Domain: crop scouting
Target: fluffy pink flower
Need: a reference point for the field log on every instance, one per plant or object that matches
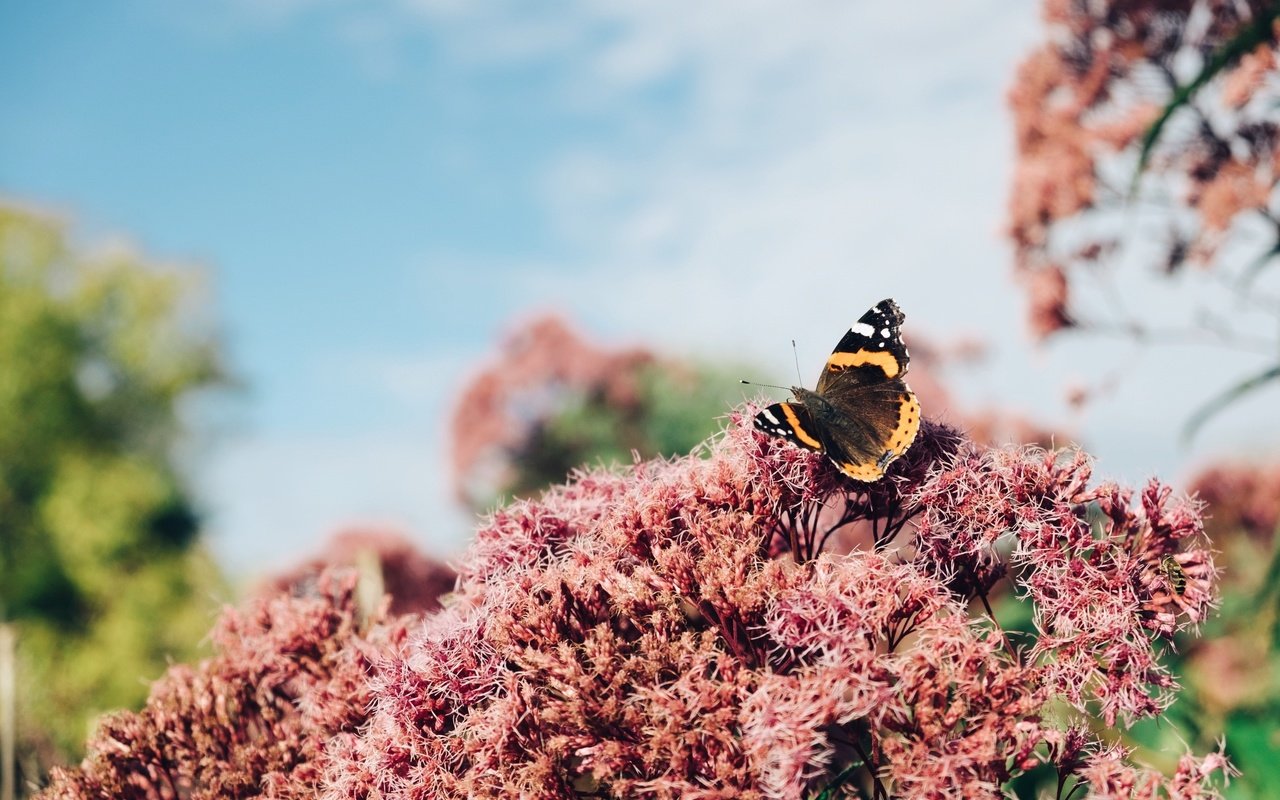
(1092, 564)
(262, 718)
(412, 581)
(1110, 775)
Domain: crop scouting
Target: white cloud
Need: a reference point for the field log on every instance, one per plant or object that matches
(818, 158)
(278, 498)
(414, 382)
(828, 157)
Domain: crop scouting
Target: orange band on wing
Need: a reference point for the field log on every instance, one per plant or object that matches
(879, 358)
(861, 472)
(908, 425)
(800, 432)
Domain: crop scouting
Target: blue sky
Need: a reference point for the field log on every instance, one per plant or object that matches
(377, 188)
(318, 188)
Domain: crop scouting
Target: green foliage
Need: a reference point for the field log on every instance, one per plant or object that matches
(1253, 744)
(832, 791)
(1246, 715)
(100, 570)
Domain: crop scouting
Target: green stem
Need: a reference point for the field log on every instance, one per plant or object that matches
(1253, 34)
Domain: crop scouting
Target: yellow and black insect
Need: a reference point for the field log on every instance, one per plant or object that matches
(1174, 574)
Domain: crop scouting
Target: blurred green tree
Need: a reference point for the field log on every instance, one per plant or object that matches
(102, 577)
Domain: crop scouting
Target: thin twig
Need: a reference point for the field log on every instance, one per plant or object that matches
(880, 792)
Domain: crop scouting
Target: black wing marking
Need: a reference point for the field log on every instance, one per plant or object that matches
(792, 422)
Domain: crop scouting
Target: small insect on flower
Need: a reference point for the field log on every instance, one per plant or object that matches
(1174, 573)
(862, 414)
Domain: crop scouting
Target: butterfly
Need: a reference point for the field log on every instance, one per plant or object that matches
(862, 413)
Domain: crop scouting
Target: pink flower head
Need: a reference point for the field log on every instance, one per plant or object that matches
(1111, 775)
(412, 581)
(262, 718)
(1095, 568)
(1241, 496)
(542, 367)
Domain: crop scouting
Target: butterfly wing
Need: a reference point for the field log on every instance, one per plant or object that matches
(872, 427)
(863, 414)
(792, 422)
(870, 352)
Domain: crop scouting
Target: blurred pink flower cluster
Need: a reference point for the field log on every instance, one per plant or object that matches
(540, 363)
(678, 630)
(932, 366)
(1241, 496)
(259, 719)
(1083, 103)
(412, 582)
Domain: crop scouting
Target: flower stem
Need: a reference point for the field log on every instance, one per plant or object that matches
(1008, 645)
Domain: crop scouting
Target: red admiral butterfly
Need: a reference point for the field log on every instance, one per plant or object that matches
(862, 415)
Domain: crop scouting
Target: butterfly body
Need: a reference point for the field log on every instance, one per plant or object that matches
(862, 414)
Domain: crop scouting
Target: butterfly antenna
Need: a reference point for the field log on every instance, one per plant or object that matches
(770, 385)
(796, 355)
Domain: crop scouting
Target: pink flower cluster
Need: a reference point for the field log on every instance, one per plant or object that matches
(1241, 496)
(1112, 775)
(933, 363)
(1096, 567)
(259, 719)
(412, 582)
(684, 629)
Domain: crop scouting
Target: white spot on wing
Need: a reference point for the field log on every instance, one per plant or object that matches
(884, 333)
(767, 414)
(863, 329)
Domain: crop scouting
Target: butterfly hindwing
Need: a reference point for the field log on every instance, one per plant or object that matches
(864, 442)
(789, 421)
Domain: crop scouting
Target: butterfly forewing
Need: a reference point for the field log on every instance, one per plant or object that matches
(870, 352)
